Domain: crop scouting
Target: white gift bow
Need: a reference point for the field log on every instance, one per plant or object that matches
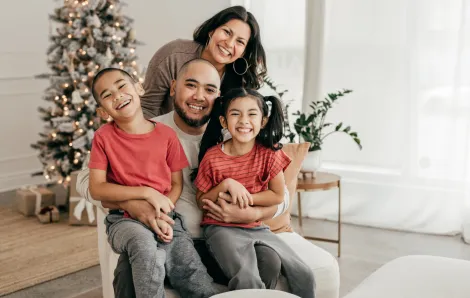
(35, 191)
(82, 205)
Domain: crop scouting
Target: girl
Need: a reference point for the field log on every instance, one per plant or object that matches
(250, 168)
(230, 40)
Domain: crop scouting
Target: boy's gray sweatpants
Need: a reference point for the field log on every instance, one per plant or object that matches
(151, 259)
(233, 249)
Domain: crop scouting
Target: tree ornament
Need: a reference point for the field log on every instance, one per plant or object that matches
(93, 21)
(76, 98)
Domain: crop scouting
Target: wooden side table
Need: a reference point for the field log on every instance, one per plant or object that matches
(322, 181)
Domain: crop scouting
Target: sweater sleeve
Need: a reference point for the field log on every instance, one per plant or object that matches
(156, 85)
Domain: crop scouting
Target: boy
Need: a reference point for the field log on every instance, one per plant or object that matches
(135, 159)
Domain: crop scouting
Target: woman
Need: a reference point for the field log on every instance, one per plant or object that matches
(230, 40)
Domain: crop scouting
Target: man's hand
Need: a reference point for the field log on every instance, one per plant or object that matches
(158, 201)
(142, 211)
(229, 213)
(166, 229)
(239, 194)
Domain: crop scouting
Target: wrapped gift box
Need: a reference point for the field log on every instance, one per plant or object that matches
(30, 200)
(48, 214)
(81, 211)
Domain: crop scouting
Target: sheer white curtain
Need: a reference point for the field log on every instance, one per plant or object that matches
(408, 63)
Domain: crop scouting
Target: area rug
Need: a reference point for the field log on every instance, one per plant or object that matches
(32, 253)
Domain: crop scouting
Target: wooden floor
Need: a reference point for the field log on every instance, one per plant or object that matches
(364, 250)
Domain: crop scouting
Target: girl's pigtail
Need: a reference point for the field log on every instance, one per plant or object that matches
(272, 133)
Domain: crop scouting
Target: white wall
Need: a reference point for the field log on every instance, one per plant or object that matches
(23, 55)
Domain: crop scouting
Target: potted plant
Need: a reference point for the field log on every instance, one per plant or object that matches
(313, 128)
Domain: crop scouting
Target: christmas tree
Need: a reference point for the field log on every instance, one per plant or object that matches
(88, 35)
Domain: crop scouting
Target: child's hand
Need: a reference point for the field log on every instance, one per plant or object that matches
(158, 201)
(239, 194)
(166, 231)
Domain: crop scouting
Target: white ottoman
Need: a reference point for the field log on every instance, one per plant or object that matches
(255, 293)
(417, 277)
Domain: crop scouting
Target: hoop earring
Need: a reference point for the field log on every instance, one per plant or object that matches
(246, 69)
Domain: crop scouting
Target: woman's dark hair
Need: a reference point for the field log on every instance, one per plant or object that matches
(254, 51)
(269, 136)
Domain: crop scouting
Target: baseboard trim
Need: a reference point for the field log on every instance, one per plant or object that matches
(20, 179)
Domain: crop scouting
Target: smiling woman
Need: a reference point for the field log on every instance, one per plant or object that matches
(230, 40)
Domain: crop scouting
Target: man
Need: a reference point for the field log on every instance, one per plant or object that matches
(194, 93)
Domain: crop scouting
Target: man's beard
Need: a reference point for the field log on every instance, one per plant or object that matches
(189, 121)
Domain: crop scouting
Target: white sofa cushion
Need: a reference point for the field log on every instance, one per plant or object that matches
(323, 264)
(417, 277)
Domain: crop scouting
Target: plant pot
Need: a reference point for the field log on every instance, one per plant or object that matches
(312, 162)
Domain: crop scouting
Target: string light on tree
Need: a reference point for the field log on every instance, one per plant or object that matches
(90, 35)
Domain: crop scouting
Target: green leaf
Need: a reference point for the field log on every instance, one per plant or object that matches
(358, 142)
(347, 129)
(306, 137)
(291, 137)
(310, 118)
(353, 134)
(338, 127)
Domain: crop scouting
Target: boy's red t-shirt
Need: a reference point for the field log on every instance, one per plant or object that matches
(254, 170)
(138, 159)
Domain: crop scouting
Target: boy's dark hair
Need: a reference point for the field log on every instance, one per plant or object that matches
(103, 72)
(254, 52)
(269, 136)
